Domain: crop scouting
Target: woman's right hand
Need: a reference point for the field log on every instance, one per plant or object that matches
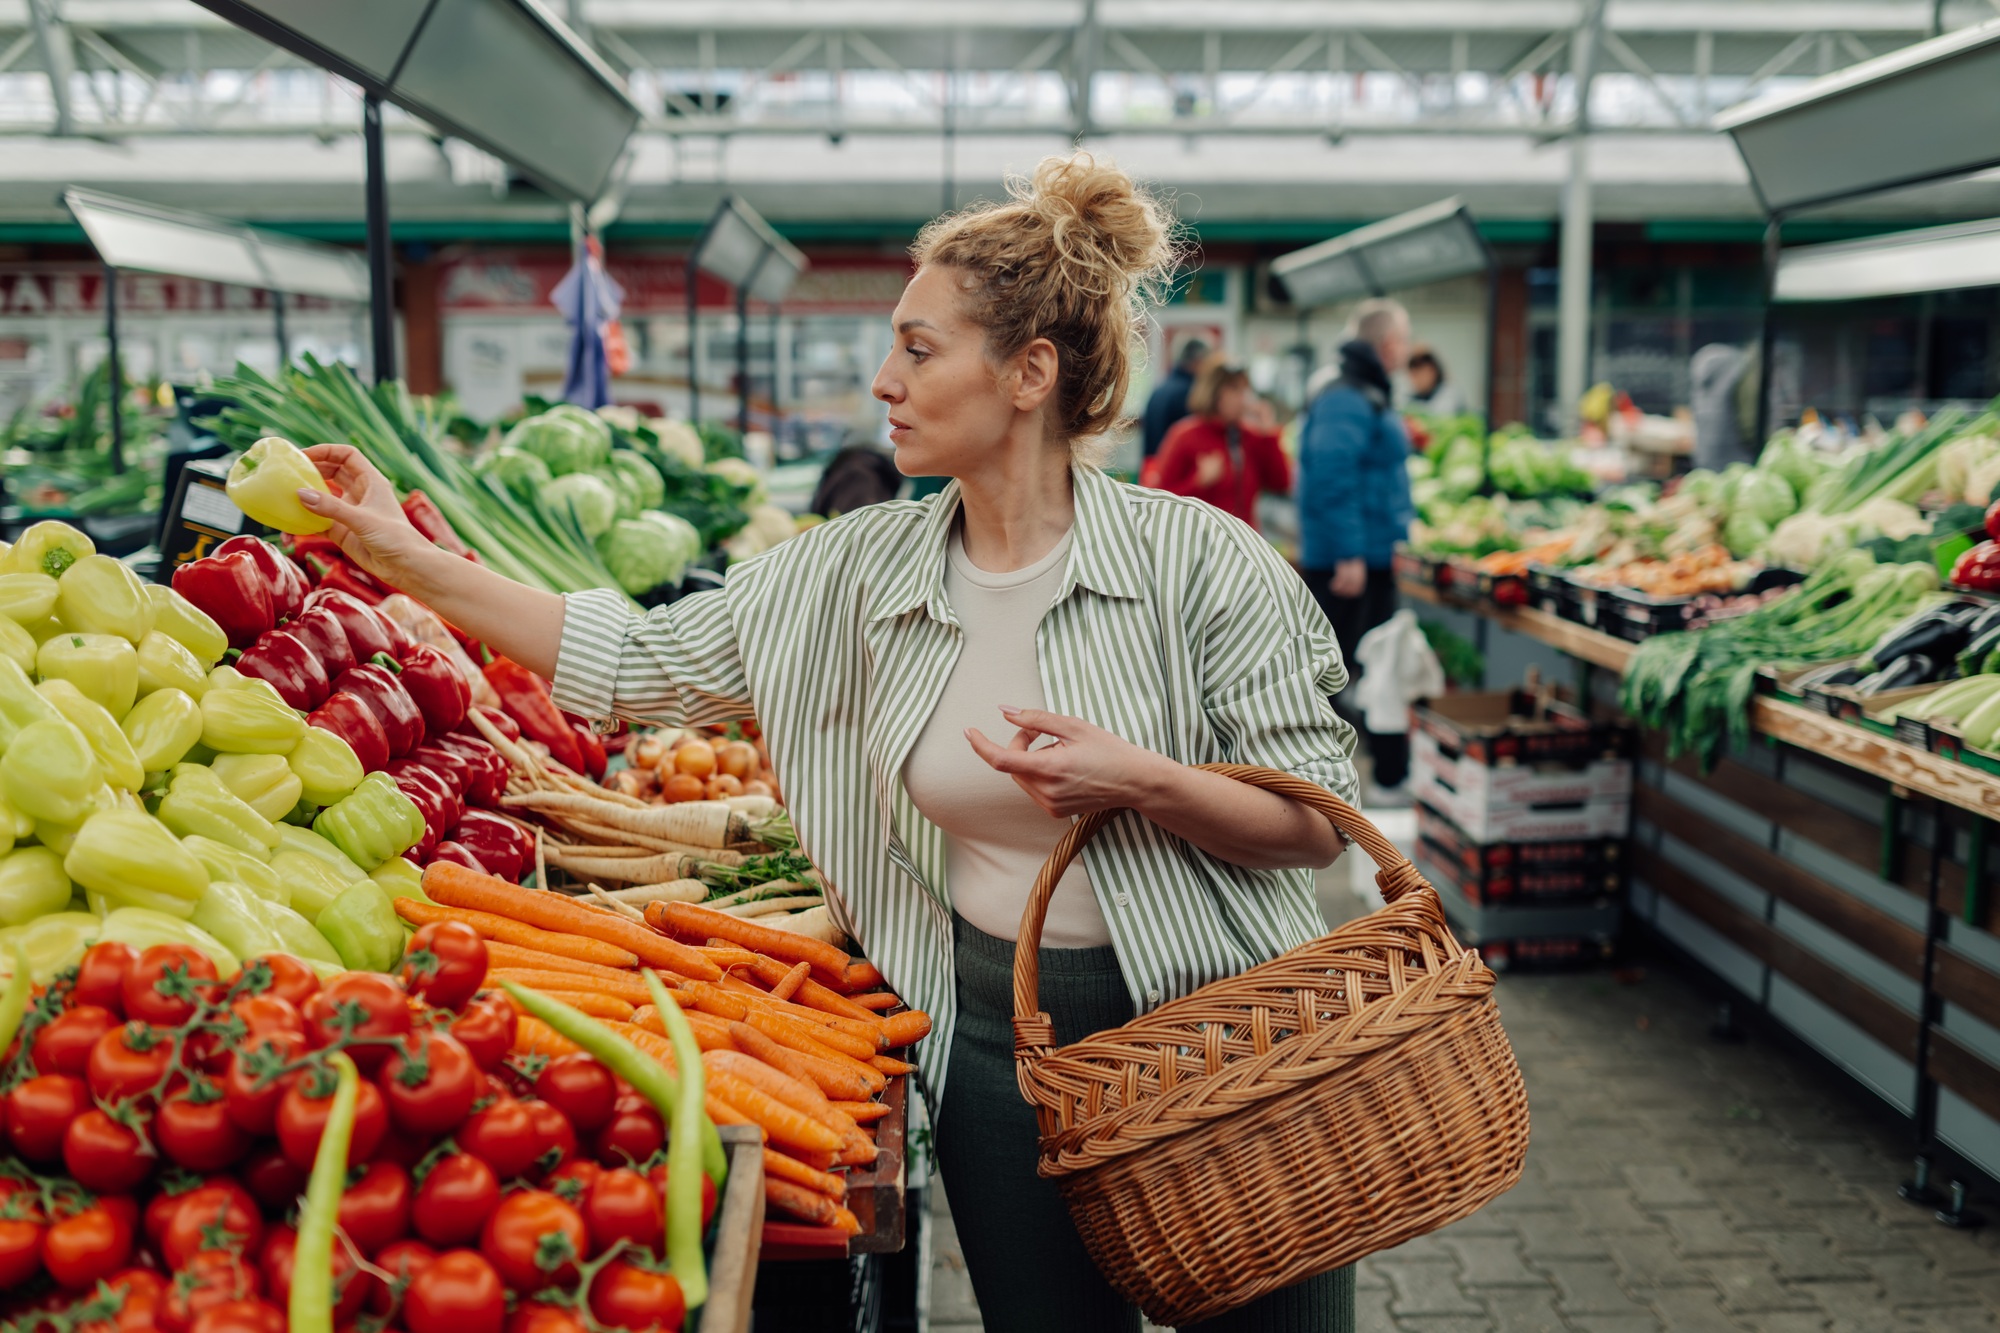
(367, 522)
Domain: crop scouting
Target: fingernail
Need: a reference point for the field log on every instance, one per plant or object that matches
(1008, 710)
(308, 497)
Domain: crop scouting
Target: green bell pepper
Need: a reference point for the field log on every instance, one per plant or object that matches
(373, 823)
(103, 666)
(246, 721)
(112, 747)
(127, 858)
(225, 862)
(326, 766)
(162, 727)
(27, 598)
(187, 624)
(363, 928)
(100, 595)
(49, 549)
(20, 705)
(17, 645)
(52, 943)
(50, 773)
(198, 802)
(299, 937)
(142, 928)
(233, 914)
(400, 878)
(32, 884)
(264, 782)
(313, 869)
(165, 664)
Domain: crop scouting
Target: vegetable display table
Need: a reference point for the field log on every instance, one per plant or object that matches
(739, 1234)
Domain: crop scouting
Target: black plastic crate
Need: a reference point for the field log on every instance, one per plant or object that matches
(1524, 873)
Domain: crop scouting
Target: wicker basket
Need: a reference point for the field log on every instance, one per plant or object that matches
(1335, 1101)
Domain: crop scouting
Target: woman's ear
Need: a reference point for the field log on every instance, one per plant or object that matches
(1034, 379)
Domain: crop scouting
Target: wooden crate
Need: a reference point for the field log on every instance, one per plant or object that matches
(875, 1196)
(739, 1233)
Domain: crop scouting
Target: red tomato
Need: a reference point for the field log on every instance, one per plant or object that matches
(384, 1011)
(100, 977)
(160, 1209)
(403, 1260)
(624, 1205)
(20, 1251)
(430, 1084)
(445, 963)
(200, 1136)
(39, 1114)
(503, 1136)
(128, 1062)
(266, 1015)
(274, 1260)
(486, 1029)
(272, 1178)
(582, 1089)
(81, 1250)
(626, 1296)
(221, 1216)
(206, 1280)
(157, 989)
(251, 1097)
(458, 1293)
(537, 1318)
(105, 1156)
(240, 1317)
(63, 1046)
(375, 1209)
(291, 978)
(572, 1180)
(658, 1175)
(302, 1119)
(454, 1200)
(526, 1229)
(634, 1134)
(555, 1141)
(145, 1292)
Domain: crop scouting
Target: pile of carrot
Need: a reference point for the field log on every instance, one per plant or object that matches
(795, 1033)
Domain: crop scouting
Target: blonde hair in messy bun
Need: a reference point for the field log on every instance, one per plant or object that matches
(1069, 257)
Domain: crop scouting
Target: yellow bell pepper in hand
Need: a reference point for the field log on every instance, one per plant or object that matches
(47, 548)
(264, 782)
(162, 727)
(99, 595)
(104, 666)
(129, 859)
(50, 773)
(27, 598)
(326, 766)
(265, 484)
(198, 802)
(187, 624)
(112, 747)
(164, 664)
(247, 721)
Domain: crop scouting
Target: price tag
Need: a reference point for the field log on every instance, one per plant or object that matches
(201, 516)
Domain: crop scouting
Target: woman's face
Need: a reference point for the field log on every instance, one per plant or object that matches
(1423, 378)
(1230, 400)
(950, 408)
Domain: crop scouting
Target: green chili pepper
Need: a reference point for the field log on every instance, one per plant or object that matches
(684, 1150)
(648, 1077)
(14, 1002)
(312, 1259)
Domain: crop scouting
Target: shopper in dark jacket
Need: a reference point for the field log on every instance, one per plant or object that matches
(1354, 501)
(1168, 402)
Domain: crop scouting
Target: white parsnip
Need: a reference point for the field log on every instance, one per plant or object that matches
(704, 824)
(763, 907)
(814, 923)
(653, 869)
(672, 891)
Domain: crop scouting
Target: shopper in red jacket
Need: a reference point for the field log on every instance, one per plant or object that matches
(1226, 451)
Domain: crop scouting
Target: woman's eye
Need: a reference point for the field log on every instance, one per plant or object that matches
(919, 353)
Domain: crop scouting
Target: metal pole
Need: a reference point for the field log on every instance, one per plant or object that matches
(278, 327)
(743, 359)
(1573, 299)
(1767, 336)
(112, 368)
(381, 260)
(1492, 345)
(694, 383)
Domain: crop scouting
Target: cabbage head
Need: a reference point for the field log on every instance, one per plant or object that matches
(586, 498)
(1767, 495)
(520, 472)
(1703, 487)
(637, 483)
(679, 440)
(741, 472)
(1745, 533)
(642, 555)
(568, 439)
(687, 537)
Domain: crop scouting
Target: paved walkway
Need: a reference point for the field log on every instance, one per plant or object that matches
(1673, 1182)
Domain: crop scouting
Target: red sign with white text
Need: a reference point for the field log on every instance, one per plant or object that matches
(655, 282)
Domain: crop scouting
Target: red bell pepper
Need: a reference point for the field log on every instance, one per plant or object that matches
(450, 765)
(495, 718)
(441, 693)
(1979, 568)
(357, 620)
(375, 684)
(1993, 520)
(457, 854)
(527, 701)
(347, 717)
(501, 845)
(233, 591)
(433, 795)
(289, 664)
(486, 770)
(333, 570)
(319, 630)
(288, 585)
(589, 746)
(427, 518)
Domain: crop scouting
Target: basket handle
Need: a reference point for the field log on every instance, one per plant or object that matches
(1033, 1032)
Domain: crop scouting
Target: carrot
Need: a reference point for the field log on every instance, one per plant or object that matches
(801, 1096)
(457, 886)
(710, 1033)
(831, 1038)
(860, 975)
(843, 1220)
(810, 993)
(800, 1202)
(501, 954)
(862, 1112)
(818, 1161)
(597, 1006)
(866, 1031)
(877, 1000)
(890, 1065)
(661, 1049)
(788, 985)
(722, 1113)
(534, 1037)
(800, 1038)
(491, 927)
(906, 1028)
(728, 955)
(830, 1078)
(779, 1165)
(632, 990)
(784, 1124)
(686, 919)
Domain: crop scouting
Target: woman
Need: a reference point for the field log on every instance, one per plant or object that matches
(1430, 392)
(1120, 634)
(1225, 450)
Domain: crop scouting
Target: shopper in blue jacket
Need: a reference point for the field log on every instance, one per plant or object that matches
(1354, 502)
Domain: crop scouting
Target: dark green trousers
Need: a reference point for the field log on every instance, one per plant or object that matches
(1028, 1265)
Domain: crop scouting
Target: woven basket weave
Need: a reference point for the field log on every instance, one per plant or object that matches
(1340, 1099)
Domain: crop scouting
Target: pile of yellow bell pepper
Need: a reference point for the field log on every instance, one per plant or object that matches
(150, 794)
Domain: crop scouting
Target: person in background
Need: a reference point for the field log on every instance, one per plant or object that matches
(1354, 503)
(1226, 449)
(1723, 382)
(1168, 402)
(1430, 392)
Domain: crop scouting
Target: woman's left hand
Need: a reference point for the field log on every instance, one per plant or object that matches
(1084, 770)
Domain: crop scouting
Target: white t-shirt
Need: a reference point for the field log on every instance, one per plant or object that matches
(996, 837)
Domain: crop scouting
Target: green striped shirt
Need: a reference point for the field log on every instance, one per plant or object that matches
(1175, 626)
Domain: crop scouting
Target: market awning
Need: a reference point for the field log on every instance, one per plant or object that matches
(1929, 259)
(131, 234)
(1428, 244)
